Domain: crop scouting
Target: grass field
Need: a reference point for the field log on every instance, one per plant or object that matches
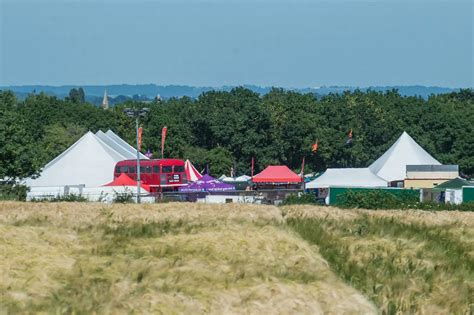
(405, 261)
(194, 258)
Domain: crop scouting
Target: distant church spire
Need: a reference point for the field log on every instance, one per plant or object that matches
(105, 101)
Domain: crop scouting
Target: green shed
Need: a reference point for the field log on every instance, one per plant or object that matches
(455, 183)
(468, 194)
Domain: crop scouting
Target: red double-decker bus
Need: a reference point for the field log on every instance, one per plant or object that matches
(161, 175)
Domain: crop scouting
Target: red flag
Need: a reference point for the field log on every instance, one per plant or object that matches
(163, 137)
(253, 165)
(350, 134)
(315, 147)
(140, 130)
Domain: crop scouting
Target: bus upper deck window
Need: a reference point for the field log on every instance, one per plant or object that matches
(145, 169)
(156, 169)
(117, 170)
(124, 169)
(178, 169)
(167, 169)
(131, 169)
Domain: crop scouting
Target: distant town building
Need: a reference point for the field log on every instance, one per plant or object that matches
(105, 101)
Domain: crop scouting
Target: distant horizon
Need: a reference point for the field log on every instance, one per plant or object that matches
(94, 93)
(239, 85)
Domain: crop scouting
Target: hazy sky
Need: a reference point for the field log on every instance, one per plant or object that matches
(229, 42)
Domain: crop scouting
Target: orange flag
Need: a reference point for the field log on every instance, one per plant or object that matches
(140, 130)
(163, 137)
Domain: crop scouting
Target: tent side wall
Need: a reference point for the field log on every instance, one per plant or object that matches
(336, 193)
(468, 194)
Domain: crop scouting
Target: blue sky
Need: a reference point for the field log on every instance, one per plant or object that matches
(229, 42)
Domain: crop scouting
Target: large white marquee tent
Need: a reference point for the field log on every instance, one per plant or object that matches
(391, 166)
(88, 163)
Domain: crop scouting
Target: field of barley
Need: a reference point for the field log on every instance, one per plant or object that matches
(196, 258)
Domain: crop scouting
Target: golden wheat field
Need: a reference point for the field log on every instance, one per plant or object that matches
(231, 259)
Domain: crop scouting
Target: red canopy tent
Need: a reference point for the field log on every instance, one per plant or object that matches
(124, 180)
(277, 174)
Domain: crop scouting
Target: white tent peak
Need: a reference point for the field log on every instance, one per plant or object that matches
(391, 166)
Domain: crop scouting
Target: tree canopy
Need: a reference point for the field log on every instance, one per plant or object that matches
(226, 129)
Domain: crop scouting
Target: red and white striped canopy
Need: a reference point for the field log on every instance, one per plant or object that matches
(191, 172)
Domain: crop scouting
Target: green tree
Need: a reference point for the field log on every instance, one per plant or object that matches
(58, 137)
(16, 144)
(76, 96)
(219, 160)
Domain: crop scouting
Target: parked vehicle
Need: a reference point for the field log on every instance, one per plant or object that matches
(160, 174)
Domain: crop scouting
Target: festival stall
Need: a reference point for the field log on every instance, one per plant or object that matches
(206, 184)
(277, 176)
(126, 182)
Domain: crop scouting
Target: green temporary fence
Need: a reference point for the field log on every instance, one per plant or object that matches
(335, 193)
(468, 194)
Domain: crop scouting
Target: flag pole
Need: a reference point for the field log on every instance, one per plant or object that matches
(302, 173)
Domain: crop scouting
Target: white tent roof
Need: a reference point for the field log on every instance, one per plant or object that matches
(243, 178)
(227, 179)
(347, 177)
(124, 145)
(89, 161)
(129, 154)
(391, 166)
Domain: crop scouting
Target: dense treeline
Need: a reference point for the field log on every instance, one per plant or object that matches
(225, 129)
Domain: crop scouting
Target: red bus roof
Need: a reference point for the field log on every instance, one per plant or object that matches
(145, 162)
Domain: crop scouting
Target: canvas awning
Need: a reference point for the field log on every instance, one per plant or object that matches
(347, 177)
(124, 180)
(207, 184)
(277, 174)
